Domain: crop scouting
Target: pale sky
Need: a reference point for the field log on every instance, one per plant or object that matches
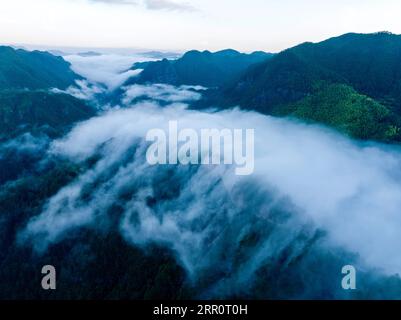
(179, 25)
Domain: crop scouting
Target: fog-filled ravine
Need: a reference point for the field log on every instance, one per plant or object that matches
(115, 226)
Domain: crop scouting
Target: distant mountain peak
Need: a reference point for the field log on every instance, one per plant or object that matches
(227, 52)
(205, 68)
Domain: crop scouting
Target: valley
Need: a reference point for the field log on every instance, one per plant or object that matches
(77, 192)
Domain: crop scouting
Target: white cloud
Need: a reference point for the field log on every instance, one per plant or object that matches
(25, 143)
(162, 92)
(214, 25)
(168, 5)
(111, 70)
(313, 176)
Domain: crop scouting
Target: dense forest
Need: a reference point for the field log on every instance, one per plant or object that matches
(311, 76)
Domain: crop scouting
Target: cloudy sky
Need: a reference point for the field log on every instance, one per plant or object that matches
(190, 24)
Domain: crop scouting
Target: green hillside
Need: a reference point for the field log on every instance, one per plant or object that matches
(20, 69)
(341, 107)
(328, 82)
(22, 111)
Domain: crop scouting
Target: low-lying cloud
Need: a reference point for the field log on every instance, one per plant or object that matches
(22, 155)
(82, 90)
(306, 179)
(162, 92)
(110, 70)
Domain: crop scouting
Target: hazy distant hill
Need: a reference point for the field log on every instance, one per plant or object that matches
(161, 55)
(199, 68)
(21, 69)
(89, 54)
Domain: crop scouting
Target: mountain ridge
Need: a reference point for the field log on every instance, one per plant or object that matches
(369, 64)
(21, 69)
(195, 67)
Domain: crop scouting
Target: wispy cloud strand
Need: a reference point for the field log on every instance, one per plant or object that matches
(168, 5)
